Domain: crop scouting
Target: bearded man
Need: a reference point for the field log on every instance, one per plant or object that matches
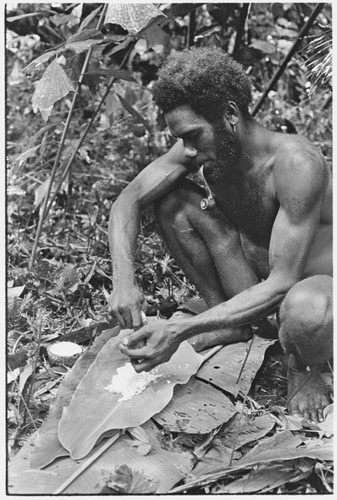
(265, 247)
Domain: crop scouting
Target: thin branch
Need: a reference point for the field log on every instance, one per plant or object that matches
(58, 155)
(80, 142)
(241, 27)
(290, 54)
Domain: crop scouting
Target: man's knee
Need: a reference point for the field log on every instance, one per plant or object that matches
(308, 303)
(305, 306)
(183, 198)
(306, 315)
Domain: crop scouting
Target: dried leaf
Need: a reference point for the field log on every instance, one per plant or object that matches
(142, 449)
(283, 439)
(53, 85)
(262, 478)
(132, 17)
(139, 434)
(41, 192)
(247, 429)
(69, 279)
(24, 376)
(19, 160)
(125, 480)
(317, 452)
(110, 413)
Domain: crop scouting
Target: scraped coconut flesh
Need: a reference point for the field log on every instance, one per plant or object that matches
(128, 382)
(64, 353)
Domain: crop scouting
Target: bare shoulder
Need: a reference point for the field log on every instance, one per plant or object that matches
(299, 164)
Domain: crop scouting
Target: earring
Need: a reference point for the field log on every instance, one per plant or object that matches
(234, 127)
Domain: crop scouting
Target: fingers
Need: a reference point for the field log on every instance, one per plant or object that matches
(136, 318)
(128, 310)
(135, 339)
(144, 365)
(134, 353)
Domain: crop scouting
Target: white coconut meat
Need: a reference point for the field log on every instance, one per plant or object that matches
(65, 349)
(128, 382)
(64, 353)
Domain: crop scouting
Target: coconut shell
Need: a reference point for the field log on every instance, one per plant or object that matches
(64, 353)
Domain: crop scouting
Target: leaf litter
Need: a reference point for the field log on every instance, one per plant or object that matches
(208, 451)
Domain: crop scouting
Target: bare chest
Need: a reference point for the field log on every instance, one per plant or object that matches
(250, 206)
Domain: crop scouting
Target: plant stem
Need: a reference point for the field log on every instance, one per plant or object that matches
(241, 27)
(290, 54)
(58, 155)
(80, 142)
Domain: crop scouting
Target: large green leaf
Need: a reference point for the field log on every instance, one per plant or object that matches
(110, 413)
(39, 61)
(132, 17)
(224, 368)
(47, 445)
(53, 85)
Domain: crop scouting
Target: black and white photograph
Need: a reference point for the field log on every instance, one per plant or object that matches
(169, 257)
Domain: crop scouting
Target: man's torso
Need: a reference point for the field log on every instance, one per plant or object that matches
(250, 203)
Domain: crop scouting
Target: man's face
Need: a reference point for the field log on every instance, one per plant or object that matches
(204, 141)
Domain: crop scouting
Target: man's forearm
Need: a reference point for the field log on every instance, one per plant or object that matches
(245, 308)
(124, 224)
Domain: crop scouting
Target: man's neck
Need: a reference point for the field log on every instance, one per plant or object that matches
(256, 145)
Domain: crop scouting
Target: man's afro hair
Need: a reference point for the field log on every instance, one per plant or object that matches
(204, 78)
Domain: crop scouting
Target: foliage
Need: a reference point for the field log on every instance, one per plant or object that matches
(81, 124)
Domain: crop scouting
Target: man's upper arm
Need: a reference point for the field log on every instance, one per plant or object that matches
(299, 187)
(159, 177)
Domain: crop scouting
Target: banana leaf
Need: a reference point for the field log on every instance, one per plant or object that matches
(80, 427)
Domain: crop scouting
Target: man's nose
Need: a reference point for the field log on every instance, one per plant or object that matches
(190, 151)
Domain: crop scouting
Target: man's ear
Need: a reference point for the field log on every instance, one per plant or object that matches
(232, 113)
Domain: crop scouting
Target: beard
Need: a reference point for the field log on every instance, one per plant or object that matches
(227, 149)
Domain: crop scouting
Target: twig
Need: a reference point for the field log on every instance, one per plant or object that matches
(299, 388)
(246, 358)
(290, 54)
(86, 464)
(30, 415)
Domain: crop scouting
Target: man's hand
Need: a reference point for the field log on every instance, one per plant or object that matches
(126, 305)
(159, 340)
